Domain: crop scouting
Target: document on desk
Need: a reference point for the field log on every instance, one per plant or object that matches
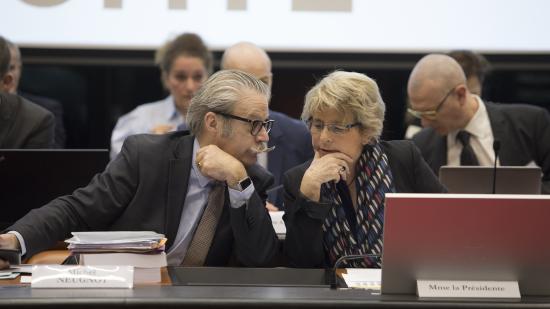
(117, 241)
(363, 278)
(7, 275)
(278, 223)
(14, 271)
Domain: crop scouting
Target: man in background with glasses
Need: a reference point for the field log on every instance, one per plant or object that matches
(461, 129)
(289, 137)
(475, 67)
(179, 184)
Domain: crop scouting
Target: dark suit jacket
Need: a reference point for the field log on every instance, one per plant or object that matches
(144, 188)
(56, 109)
(292, 143)
(304, 218)
(24, 124)
(523, 131)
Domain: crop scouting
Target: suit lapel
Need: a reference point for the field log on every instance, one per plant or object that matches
(178, 179)
(436, 152)
(441, 156)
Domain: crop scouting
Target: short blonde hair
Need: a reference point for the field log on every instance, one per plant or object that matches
(349, 93)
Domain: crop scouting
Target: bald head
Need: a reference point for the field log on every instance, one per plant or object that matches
(249, 58)
(437, 72)
(437, 89)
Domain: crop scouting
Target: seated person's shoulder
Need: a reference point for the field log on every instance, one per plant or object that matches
(516, 108)
(525, 115)
(397, 145)
(401, 151)
(26, 108)
(158, 143)
(48, 103)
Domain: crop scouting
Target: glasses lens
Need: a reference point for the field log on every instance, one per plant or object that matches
(268, 125)
(256, 127)
(258, 124)
(426, 115)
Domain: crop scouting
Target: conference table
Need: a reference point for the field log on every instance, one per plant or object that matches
(228, 294)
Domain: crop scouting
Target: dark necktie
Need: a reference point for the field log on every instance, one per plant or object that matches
(467, 156)
(204, 234)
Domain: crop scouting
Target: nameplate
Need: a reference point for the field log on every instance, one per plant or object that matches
(77, 276)
(467, 289)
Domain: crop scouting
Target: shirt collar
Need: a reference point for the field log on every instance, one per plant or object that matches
(477, 126)
(170, 109)
(203, 180)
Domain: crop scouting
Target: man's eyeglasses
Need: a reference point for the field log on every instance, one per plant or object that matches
(316, 127)
(431, 115)
(255, 125)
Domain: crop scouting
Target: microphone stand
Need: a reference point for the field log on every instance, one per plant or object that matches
(496, 148)
(333, 277)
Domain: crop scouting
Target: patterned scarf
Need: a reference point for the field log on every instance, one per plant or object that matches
(364, 236)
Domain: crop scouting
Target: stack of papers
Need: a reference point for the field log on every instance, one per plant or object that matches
(123, 241)
(6, 275)
(144, 250)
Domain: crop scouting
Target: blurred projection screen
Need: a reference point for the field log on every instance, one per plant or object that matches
(501, 26)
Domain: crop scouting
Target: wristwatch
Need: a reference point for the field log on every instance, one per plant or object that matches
(244, 183)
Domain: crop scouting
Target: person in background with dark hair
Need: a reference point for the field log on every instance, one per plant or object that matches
(460, 128)
(475, 67)
(53, 106)
(23, 124)
(289, 136)
(185, 63)
(335, 202)
(201, 188)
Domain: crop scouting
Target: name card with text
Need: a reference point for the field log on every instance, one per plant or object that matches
(76, 276)
(467, 289)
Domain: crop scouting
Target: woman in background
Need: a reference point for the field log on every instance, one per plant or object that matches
(335, 203)
(185, 64)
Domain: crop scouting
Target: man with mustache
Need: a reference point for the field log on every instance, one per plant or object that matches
(167, 183)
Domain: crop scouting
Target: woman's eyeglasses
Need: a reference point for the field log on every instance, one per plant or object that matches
(316, 127)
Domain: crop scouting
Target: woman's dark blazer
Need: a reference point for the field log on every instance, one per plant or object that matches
(304, 218)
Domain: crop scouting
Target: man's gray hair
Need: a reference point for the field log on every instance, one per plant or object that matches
(220, 93)
(5, 57)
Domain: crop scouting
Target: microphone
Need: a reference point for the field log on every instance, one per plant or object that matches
(496, 148)
(333, 278)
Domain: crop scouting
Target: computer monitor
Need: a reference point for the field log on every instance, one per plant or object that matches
(32, 178)
(479, 179)
(474, 237)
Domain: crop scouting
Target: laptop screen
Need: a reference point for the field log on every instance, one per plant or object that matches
(479, 179)
(32, 178)
(466, 237)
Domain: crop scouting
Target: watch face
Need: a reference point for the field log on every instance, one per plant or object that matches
(243, 184)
